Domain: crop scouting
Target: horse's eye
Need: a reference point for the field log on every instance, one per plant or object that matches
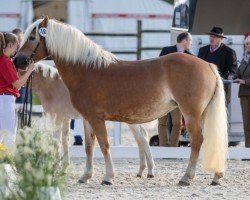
(31, 38)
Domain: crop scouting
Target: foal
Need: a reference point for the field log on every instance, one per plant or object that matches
(55, 99)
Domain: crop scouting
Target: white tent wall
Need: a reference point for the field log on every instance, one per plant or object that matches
(27, 13)
(112, 16)
(79, 14)
(9, 15)
(15, 13)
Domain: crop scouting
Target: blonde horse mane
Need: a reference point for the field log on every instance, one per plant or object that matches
(29, 30)
(72, 45)
(47, 70)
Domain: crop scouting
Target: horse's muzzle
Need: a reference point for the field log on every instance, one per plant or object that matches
(20, 61)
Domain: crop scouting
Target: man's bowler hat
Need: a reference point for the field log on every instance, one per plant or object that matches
(217, 31)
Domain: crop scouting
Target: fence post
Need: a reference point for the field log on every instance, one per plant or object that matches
(139, 39)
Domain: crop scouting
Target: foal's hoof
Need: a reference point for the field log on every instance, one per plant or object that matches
(138, 175)
(150, 176)
(184, 183)
(214, 183)
(106, 183)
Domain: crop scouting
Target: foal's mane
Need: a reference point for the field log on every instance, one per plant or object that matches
(47, 70)
(66, 42)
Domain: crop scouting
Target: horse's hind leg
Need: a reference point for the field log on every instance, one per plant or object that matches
(196, 139)
(136, 132)
(216, 178)
(89, 149)
(65, 142)
(141, 137)
(101, 135)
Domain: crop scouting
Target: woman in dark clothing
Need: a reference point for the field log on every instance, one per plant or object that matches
(243, 78)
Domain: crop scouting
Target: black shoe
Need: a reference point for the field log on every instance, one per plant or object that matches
(78, 140)
(245, 159)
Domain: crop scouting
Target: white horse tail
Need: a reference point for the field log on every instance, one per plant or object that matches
(215, 143)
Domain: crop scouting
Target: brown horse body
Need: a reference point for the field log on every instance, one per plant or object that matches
(105, 88)
(138, 92)
(55, 99)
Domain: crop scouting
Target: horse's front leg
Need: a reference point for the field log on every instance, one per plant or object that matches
(100, 131)
(89, 149)
(196, 140)
(141, 137)
(65, 142)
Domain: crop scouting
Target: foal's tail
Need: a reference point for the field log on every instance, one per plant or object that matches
(215, 143)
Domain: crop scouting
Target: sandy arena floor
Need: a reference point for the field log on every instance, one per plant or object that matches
(235, 185)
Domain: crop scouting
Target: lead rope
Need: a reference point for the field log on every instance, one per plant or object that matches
(26, 113)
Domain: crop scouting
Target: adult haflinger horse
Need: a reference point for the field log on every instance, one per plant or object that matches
(103, 87)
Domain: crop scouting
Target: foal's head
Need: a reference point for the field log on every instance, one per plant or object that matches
(33, 45)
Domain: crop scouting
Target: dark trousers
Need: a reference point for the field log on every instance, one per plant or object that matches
(227, 88)
(245, 107)
(164, 123)
(22, 92)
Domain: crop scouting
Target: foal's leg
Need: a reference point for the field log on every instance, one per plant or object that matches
(101, 134)
(194, 129)
(65, 142)
(141, 137)
(89, 149)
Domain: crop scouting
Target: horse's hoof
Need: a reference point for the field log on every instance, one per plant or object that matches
(183, 183)
(106, 183)
(150, 176)
(214, 183)
(138, 175)
(82, 181)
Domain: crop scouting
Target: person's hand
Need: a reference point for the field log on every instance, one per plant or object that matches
(240, 81)
(230, 77)
(31, 65)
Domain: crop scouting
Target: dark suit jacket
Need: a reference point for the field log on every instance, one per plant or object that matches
(243, 72)
(225, 59)
(171, 49)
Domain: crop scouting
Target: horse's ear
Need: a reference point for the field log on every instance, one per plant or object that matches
(45, 21)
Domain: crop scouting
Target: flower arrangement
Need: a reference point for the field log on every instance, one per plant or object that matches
(5, 154)
(2, 148)
(36, 163)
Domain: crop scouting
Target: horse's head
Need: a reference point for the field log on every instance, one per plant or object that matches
(33, 46)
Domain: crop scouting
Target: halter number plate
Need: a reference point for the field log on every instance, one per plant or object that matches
(42, 32)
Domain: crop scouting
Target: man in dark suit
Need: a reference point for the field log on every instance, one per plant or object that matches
(184, 42)
(221, 55)
(174, 118)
